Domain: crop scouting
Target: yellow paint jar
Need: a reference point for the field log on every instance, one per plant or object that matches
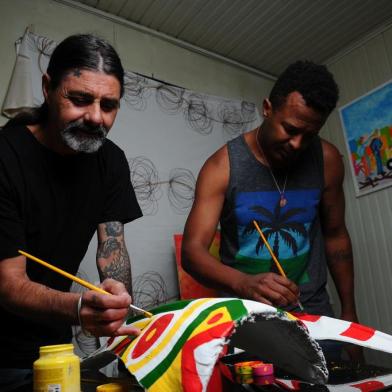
(57, 369)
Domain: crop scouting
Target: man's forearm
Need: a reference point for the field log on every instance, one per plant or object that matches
(209, 271)
(340, 263)
(40, 303)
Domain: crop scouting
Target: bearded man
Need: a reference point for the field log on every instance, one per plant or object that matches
(61, 181)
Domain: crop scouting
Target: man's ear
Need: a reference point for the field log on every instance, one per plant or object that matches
(267, 108)
(46, 85)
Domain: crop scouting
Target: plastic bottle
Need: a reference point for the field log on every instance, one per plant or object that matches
(57, 369)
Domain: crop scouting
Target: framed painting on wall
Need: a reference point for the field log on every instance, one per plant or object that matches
(367, 126)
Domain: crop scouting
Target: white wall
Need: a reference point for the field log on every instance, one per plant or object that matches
(139, 52)
(369, 217)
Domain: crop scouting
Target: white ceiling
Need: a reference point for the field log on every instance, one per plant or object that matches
(263, 34)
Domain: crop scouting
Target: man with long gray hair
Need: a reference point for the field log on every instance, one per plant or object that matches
(61, 180)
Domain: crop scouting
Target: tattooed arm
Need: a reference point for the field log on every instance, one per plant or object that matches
(101, 314)
(337, 239)
(112, 255)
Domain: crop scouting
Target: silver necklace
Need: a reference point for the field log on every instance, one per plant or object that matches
(282, 199)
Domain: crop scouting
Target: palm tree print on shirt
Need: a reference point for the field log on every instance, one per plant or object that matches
(277, 225)
(287, 229)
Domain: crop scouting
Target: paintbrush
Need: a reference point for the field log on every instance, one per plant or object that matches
(79, 280)
(280, 269)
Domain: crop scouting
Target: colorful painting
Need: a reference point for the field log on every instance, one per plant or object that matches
(180, 347)
(367, 125)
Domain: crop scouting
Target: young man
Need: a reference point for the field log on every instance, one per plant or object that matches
(60, 181)
(286, 178)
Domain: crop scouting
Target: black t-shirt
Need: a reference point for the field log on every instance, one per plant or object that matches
(50, 206)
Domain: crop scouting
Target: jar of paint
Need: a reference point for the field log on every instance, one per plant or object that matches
(57, 369)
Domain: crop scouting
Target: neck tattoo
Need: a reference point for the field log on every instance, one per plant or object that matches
(282, 200)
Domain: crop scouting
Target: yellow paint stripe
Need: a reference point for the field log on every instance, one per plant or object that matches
(125, 356)
(186, 313)
(290, 316)
(140, 324)
(204, 325)
(171, 380)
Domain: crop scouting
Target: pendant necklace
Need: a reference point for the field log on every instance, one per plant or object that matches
(282, 199)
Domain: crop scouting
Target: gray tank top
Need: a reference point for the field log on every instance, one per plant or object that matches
(293, 231)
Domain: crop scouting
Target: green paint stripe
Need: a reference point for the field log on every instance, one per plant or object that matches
(172, 306)
(236, 310)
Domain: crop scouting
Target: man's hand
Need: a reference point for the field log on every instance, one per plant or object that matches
(354, 352)
(103, 314)
(269, 288)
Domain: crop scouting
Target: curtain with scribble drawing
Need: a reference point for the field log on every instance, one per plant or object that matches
(167, 133)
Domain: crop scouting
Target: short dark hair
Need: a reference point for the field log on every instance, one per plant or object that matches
(80, 51)
(313, 81)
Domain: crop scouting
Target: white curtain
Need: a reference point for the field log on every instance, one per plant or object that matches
(167, 133)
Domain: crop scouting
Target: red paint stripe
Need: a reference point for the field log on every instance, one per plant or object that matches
(215, 318)
(295, 385)
(122, 345)
(190, 378)
(369, 386)
(359, 332)
(215, 383)
(154, 331)
(224, 369)
(307, 317)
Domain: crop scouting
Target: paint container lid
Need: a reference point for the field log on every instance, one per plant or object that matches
(112, 387)
(263, 369)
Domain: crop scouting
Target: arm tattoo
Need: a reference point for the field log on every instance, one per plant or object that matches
(119, 268)
(114, 229)
(112, 255)
(340, 256)
(106, 248)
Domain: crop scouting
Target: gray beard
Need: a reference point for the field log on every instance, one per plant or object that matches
(81, 137)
